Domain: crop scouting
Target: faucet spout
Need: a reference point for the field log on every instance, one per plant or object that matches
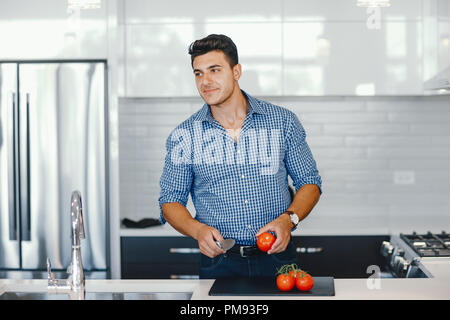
(76, 269)
(76, 214)
(74, 285)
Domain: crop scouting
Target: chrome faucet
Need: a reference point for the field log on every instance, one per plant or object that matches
(74, 285)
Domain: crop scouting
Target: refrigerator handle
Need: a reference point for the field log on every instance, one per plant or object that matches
(12, 169)
(25, 177)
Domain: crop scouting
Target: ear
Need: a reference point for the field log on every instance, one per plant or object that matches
(237, 71)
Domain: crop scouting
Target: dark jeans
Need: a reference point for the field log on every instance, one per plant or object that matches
(233, 265)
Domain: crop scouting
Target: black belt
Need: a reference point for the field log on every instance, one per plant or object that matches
(245, 251)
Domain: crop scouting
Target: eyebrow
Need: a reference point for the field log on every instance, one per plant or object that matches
(210, 67)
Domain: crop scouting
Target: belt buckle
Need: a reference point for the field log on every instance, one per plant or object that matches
(241, 251)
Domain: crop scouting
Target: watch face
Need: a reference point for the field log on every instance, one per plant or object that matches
(294, 218)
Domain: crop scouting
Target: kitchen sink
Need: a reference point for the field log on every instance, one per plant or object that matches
(10, 295)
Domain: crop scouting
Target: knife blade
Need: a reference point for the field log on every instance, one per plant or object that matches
(226, 244)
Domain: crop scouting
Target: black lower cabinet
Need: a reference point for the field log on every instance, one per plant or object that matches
(178, 257)
(339, 256)
(159, 258)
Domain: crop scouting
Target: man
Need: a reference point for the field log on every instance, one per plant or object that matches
(239, 189)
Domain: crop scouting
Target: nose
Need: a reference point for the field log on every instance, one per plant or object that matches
(206, 79)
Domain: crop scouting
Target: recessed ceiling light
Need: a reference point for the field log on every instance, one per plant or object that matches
(84, 4)
(373, 3)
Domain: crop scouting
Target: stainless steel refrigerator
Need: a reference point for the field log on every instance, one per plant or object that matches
(53, 133)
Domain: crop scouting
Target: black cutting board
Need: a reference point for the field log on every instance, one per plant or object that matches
(323, 286)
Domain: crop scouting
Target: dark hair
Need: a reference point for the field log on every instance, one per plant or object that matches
(214, 42)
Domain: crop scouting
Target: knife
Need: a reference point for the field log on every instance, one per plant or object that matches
(226, 244)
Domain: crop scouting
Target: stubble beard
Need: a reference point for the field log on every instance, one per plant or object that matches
(224, 96)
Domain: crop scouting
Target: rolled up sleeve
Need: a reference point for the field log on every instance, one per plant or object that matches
(299, 161)
(177, 176)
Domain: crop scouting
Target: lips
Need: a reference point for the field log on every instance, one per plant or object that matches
(208, 91)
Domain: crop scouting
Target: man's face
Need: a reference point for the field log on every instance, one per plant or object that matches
(214, 77)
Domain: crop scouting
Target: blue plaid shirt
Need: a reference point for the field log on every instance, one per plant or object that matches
(238, 188)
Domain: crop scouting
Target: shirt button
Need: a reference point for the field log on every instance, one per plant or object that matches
(243, 176)
(246, 201)
(249, 226)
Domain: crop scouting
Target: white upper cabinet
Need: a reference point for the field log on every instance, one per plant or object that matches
(286, 47)
(444, 34)
(336, 48)
(45, 29)
(436, 40)
(345, 58)
(157, 62)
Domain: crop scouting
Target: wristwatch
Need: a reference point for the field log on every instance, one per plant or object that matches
(294, 218)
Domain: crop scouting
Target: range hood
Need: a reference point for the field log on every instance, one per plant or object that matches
(439, 81)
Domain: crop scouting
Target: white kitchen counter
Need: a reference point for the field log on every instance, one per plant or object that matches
(167, 230)
(346, 289)
(435, 288)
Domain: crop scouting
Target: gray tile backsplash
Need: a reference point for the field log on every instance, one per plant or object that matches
(384, 161)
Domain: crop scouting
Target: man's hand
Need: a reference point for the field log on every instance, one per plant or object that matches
(207, 237)
(282, 227)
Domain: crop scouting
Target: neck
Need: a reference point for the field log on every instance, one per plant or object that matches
(233, 110)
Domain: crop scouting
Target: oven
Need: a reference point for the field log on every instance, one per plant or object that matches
(407, 255)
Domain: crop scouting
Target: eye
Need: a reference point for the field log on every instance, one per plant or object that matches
(197, 74)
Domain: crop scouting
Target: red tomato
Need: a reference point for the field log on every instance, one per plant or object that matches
(285, 282)
(304, 282)
(265, 241)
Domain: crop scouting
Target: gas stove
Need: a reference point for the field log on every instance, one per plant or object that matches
(430, 244)
(407, 255)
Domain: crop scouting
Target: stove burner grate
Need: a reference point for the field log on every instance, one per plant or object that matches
(430, 244)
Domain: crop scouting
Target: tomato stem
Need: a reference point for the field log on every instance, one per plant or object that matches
(285, 269)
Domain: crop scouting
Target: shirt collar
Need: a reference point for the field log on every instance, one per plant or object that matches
(254, 107)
